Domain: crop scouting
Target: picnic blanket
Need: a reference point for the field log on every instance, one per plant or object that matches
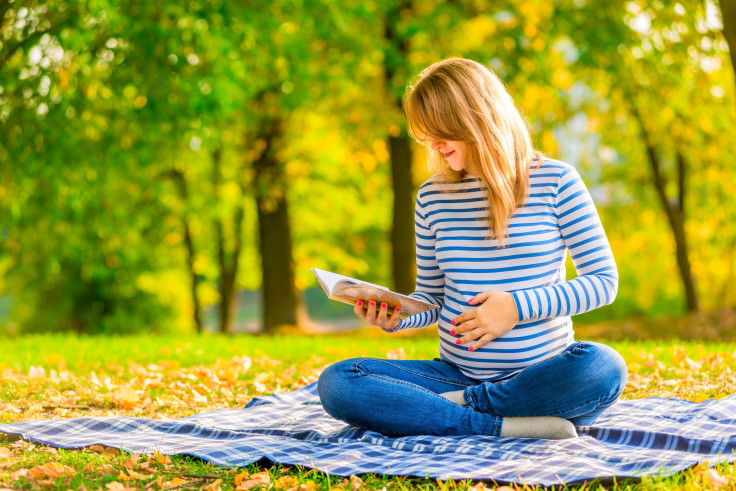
(634, 438)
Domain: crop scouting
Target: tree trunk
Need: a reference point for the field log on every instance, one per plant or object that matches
(403, 257)
(183, 189)
(728, 12)
(675, 213)
(279, 300)
(227, 260)
(403, 252)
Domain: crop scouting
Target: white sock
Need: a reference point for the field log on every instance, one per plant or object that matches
(455, 396)
(548, 427)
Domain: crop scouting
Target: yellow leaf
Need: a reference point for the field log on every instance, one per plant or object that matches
(125, 397)
(161, 459)
(177, 481)
(214, 485)
(700, 397)
(258, 479)
(51, 470)
(5, 453)
(239, 477)
(286, 482)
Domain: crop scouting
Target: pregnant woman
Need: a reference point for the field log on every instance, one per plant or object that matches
(493, 228)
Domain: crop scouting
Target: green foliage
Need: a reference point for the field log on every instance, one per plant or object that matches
(112, 120)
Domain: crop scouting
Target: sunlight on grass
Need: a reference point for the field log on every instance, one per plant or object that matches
(57, 376)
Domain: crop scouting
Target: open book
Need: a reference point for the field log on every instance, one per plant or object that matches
(349, 290)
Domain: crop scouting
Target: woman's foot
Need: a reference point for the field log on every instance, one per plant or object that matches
(548, 427)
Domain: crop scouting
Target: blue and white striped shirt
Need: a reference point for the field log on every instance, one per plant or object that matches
(456, 261)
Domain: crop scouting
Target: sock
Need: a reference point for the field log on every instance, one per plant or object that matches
(548, 427)
(455, 396)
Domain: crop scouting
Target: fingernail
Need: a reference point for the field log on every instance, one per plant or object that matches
(470, 349)
(452, 322)
(359, 303)
(458, 342)
(383, 305)
(452, 333)
(397, 309)
(372, 303)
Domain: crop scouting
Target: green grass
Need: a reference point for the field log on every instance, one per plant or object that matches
(82, 355)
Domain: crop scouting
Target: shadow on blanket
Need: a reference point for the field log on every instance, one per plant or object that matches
(633, 439)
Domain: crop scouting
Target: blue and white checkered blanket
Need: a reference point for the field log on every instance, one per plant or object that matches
(634, 438)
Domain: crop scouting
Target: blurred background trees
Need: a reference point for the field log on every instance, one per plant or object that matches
(181, 166)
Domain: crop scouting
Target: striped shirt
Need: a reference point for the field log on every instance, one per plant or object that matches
(456, 261)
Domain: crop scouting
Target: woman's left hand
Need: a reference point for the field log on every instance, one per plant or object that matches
(496, 316)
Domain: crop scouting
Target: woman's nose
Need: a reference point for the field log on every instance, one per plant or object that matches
(437, 145)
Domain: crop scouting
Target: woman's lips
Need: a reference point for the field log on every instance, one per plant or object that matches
(449, 153)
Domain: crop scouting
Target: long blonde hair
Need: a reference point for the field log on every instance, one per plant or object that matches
(461, 100)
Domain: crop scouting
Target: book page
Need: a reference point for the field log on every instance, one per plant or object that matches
(331, 280)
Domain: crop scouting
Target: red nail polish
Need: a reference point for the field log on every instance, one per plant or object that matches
(452, 333)
(397, 309)
(360, 303)
(452, 322)
(457, 342)
(372, 303)
(470, 349)
(383, 305)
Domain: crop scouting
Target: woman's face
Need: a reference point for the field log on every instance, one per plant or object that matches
(453, 152)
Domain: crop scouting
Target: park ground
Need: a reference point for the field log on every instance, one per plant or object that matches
(63, 376)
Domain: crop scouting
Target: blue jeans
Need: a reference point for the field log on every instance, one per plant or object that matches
(400, 397)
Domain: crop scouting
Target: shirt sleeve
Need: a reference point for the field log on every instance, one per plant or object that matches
(430, 278)
(583, 235)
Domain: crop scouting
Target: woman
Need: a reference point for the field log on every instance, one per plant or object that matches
(493, 228)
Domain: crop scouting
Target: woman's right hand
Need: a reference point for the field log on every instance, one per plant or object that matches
(380, 318)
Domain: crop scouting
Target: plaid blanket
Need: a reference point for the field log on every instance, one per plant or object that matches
(634, 438)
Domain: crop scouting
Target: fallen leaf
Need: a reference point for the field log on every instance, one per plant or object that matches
(240, 477)
(18, 474)
(133, 475)
(258, 479)
(478, 487)
(174, 483)
(285, 482)
(161, 459)
(125, 397)
(355, 482)
(50, 450)
(5, 453)
(104, 450)
(51, 470)
(116, 486)
(289, 372)
(712, 479)
(213, 486)
(36, 372)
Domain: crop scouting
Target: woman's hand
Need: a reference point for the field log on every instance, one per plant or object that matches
(496, 316)
(380, 318)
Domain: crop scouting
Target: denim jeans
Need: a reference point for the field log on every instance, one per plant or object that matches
(400, 397)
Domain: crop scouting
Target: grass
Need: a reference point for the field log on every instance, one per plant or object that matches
(54, 376)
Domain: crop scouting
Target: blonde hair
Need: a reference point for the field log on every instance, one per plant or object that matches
(461, 100)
